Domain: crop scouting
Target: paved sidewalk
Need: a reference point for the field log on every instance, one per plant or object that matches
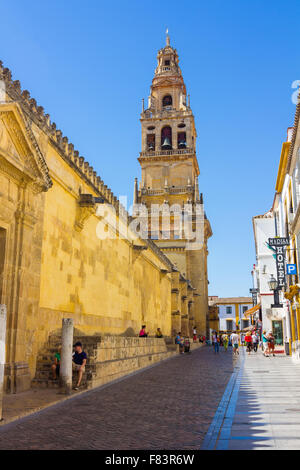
(260, 408)
(169, 406)
(16, 406)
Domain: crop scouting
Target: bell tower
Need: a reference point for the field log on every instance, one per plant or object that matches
(168, 133)
(170, 173)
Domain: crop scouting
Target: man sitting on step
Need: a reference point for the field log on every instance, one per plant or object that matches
(79, 362)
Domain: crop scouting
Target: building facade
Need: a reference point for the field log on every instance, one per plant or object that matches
(273, 319)
(282, 221)
(286, 209)
(231, 312)
(169, 183)
(68, 247)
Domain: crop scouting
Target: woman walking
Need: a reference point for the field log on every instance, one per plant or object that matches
(194, 334)
(271, 343)
(248, 341)
(265, 344)
(225, 342)
(215, 341)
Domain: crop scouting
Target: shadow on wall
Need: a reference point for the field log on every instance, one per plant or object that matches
(130, 332)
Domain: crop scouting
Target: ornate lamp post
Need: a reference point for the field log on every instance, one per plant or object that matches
(273, 285)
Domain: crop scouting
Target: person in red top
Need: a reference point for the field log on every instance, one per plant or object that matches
(143, 333)
(248, 341)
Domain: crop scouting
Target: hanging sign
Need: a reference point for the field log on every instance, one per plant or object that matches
(254, 293)
(279, 244)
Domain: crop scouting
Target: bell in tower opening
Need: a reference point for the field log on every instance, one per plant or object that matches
(166, 138)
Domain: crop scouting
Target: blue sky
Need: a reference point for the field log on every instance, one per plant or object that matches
(90, 63)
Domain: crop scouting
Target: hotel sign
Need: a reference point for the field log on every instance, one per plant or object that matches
(254, 293)
(278, 244)
(279, 241)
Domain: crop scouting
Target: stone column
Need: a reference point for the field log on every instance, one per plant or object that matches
(66, 355)
(191, 318)
(184, 308)
(2, 352)
(176, 303)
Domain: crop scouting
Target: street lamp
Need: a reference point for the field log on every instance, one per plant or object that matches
(273, 285)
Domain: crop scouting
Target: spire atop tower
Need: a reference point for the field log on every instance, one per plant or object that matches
(167, 37)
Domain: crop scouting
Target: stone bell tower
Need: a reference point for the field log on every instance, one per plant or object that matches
(170, 175)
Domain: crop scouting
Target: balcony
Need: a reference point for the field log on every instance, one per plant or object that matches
(166, 112)
(169, 190)
(158, 153)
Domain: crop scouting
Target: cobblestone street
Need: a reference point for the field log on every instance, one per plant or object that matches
(168, 406)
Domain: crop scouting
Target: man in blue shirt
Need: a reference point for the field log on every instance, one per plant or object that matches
(79, 362)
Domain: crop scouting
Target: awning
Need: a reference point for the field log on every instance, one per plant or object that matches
(249, 328)
(252, 310)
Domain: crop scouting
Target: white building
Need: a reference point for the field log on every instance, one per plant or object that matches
(275, 319)
(286, 209)
(232, 312)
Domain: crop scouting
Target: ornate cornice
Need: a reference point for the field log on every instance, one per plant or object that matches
(20, 133)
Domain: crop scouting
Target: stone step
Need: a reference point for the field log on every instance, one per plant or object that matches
(50, 383)
(55, 341)
(49, 358)
(46, 375)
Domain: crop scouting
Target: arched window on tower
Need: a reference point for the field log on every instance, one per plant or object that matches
(167, 101)
(166, 138)
(181, 140)
(150, 141)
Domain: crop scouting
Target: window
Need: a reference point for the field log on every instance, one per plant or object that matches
(229, 325)
(166, 138)
(167, 62)
(245, 324)
(244, 308)
(167, 101)
(229, 310)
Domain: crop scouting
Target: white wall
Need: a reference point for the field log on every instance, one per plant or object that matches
(223, 316)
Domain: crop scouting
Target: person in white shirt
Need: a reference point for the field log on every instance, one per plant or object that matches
(234, 338)
(255, 341)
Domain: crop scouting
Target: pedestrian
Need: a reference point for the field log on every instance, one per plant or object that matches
(158, 333)
(79, 362)
(215, 341)
(271, 343)
(225, 342)
(187, 345)
(255, 341)
(265, 344)
(179, 341)
(248, 341)
(143, 333)
(56, 365)
(234, 338)
(194, 334)
(242, 339)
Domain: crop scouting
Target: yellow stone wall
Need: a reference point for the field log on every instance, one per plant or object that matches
(53, 270)
(103, 284)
